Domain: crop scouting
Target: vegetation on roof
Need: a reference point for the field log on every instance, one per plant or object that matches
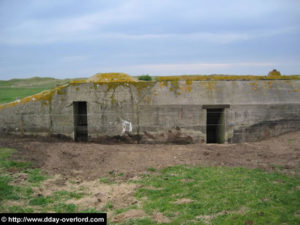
(123, 77)
(111, 77)
(114, 80)
(272, 76)
(274, 73)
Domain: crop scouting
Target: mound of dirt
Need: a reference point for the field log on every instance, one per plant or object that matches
(88, 161)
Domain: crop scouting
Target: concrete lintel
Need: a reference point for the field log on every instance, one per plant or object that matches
(218, 106)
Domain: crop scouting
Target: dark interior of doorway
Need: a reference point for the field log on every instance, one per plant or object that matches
(215, 126)
(80, 121)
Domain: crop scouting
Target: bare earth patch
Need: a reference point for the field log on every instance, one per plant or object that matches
(207, 218)
(88, 161)
(96, 195)
(160, 218)
(119, 195)
(183, 201)
(131, 214)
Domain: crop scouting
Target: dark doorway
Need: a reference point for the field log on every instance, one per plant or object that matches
(215, 126)
(80, 121)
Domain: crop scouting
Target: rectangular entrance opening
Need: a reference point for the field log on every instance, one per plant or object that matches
(80, 121)
(215, 126)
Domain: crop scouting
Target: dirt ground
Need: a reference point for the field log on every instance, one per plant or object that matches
(89, 161)
(77, 167)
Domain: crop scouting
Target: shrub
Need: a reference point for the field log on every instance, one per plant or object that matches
(145, 77)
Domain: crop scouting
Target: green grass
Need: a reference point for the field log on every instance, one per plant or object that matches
(112, 178)
(121, 210)
(11, 192)
(12, 94)
(65, 195)
(32, 82)
(143, 221)
(14, 89)
(55, 197)
(65, 208)
(41, 201)
(19, 209)
(213, 195)
(151, 169)
(35, 176)
(246, 195)
(107, 207)
(49, 203)
(5, 163)
(25, 193)
(91, 210)
(7, 191)
(106, 180)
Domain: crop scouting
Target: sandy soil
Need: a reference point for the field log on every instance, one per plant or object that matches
(88, 161)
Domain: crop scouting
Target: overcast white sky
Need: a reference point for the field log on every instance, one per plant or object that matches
(75, 38)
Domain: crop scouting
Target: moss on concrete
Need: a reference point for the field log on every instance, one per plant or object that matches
(114, 80)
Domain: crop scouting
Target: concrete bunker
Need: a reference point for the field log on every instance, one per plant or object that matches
(184, 109)
(80, 121)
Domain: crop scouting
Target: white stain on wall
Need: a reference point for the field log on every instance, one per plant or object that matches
(126, 126)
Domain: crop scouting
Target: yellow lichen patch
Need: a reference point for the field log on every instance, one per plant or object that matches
(254, 85)
(186, 88)
(111, 77)
(209, 85)
(163, 84)
(270, 84)
(147, 99)
(112, 86)
(61, 92)
(115, 80)
(293, 87)
(140, 86)
(188, 82)
(75, 82)
(175, 87)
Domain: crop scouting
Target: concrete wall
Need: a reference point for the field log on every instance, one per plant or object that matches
(163, 111)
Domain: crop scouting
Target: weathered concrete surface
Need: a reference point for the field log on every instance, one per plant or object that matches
(161, 112)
